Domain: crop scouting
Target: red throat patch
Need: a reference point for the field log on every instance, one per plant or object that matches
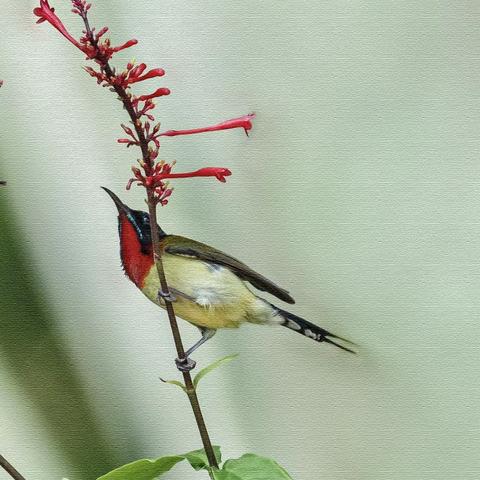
(137, 264)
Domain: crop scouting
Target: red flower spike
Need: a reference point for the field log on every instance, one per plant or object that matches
(150, 174)
(244, 122)
(47, 13)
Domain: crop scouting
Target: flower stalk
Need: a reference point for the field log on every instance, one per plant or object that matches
(152, 201)
(152, 174)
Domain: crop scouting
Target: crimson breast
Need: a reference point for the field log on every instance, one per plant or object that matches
(137, 259)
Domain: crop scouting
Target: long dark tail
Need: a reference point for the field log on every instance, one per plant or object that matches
(310, 330)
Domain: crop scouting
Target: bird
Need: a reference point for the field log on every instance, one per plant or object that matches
(209, 289)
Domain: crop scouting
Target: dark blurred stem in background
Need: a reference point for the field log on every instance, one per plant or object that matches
(10, 469)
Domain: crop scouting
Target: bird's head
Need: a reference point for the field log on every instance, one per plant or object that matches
(135, 240)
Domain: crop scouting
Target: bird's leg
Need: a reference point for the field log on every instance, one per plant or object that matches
(207, 334)
(186, 364)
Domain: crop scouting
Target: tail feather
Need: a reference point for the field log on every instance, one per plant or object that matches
(310, 330)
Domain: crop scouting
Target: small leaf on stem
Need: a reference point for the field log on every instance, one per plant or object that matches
(205, 371)
(175, 382)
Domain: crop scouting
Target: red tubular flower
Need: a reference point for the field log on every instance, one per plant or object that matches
(160, 92)
(80, 7)
(138, 70)
(104, 50)
(101, 33)
(101, 77)
(162, 195)
(127, 141)
(244, 122)
(218, 173)
(156, 72)
(47, 13)
(128, 44)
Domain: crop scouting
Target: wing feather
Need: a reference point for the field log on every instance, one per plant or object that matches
(177, 245)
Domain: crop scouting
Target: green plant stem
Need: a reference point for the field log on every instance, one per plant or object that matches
(152, 208)
(10, 469)
(190, 388)
(211, 474)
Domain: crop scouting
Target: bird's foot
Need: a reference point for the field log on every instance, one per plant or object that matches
(185, 364)
(178, 293)
(167, 296)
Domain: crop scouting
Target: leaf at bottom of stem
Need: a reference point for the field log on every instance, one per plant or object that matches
(251, 467)
(143, 469)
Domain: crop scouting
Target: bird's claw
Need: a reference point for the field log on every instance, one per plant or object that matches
(168, 296)
(185, 364)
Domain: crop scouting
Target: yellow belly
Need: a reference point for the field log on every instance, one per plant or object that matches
(222, 300)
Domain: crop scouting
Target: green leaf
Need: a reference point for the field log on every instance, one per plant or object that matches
(175, 382)
(151, 469)
(223, 475)
(143, 469)
(198, 458)
(211, 367)
(251, 467)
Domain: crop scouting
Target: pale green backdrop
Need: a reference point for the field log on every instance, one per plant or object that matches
(358, 190)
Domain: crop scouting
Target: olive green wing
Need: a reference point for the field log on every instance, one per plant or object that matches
(177, 245)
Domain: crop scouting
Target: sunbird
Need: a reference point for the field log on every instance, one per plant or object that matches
(208, 287)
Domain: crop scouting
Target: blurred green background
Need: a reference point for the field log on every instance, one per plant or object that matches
(358, 190)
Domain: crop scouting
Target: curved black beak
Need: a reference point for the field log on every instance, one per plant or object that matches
(121, 207)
